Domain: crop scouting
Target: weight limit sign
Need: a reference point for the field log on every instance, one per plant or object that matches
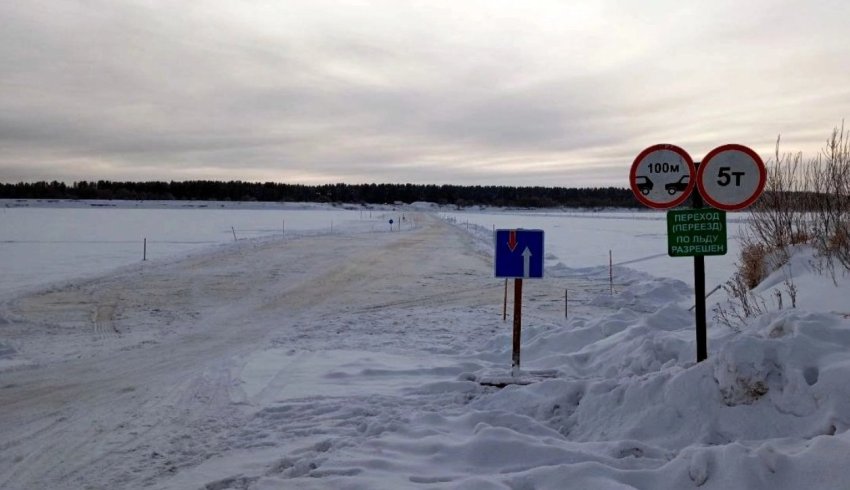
(731, 177)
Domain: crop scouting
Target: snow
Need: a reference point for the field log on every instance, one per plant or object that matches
(68, 239)
(637, 239)
(355, 360)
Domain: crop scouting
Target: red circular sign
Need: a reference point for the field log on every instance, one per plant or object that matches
(731, 177)
(662, 176)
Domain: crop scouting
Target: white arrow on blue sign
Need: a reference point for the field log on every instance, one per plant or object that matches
(519, 254)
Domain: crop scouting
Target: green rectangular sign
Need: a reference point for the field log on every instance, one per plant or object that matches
(693, 232)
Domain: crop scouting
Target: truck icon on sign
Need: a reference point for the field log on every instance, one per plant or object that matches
(678, 186)
(644, 185)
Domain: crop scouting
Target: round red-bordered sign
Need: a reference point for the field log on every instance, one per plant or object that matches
(662, 176)
(731, 177)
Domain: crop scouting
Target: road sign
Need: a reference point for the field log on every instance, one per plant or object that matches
(519, 254)
(693, 232)
(662, 176)
(731, 177)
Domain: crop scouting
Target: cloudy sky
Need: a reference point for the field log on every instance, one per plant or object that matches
(558, 93)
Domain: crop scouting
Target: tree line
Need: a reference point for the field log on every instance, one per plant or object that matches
(206, 190)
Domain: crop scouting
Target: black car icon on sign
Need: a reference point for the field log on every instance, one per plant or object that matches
(678, 186)
(644, 185)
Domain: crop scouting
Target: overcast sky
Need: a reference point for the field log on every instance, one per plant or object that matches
(556, 93)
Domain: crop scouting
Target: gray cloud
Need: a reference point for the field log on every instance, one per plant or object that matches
(477, 92)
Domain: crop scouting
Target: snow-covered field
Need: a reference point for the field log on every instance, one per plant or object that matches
(48, 241)
(352, 360)
(635, 239)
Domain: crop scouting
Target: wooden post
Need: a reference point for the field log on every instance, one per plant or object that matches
(566, 303)
(505, 305)
(283, 227)
(517, 326)
(234, 233)
(145, 249)
(611, 271)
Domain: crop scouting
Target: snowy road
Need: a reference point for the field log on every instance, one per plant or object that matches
(351, 361)
(132, 376)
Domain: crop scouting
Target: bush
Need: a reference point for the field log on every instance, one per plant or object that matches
(777, 219)
(802, 204)
(829, 180)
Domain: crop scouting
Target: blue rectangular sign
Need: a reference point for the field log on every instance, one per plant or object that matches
(519, 254)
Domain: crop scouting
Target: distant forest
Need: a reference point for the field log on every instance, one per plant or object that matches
(205, 190)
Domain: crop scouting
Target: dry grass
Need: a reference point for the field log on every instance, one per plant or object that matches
(752, 266)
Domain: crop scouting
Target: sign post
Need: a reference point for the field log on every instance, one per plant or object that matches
(505, 305)
(699, 291)
(730, 177)
(517, 335)
(519, 255)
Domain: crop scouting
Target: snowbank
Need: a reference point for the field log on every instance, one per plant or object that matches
(630, 408)
(366, 376)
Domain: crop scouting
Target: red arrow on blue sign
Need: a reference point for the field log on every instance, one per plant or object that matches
(512, 242)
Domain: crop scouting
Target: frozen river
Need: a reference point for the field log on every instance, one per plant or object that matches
(46, 242)
(637, 240)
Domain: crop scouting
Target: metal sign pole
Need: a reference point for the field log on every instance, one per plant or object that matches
(517, 326)
(699, 291)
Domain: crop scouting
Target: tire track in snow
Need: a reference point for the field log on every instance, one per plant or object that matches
(151, 403)
(101, 413)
